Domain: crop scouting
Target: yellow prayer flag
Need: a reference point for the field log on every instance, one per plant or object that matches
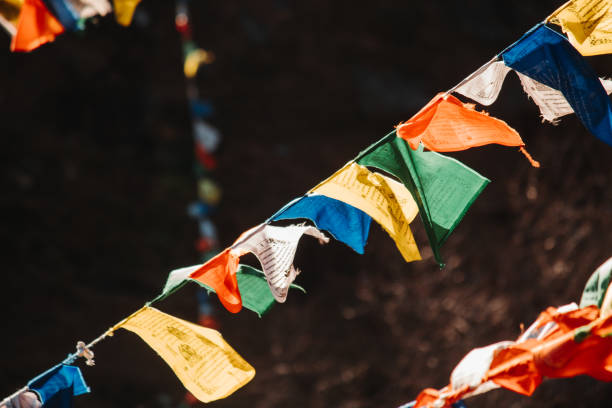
(385, 200)
(588, 25)
(124, 11)
(206, 365)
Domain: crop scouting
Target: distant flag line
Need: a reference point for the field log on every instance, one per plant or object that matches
(416, 179)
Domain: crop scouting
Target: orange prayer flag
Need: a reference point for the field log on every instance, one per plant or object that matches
(446, 124)
(220, 274)
(36, 26)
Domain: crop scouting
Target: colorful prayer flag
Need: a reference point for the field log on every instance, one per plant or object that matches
(588, 25)
(124, 11)
(57, 386)
(443, 188)
(485, 84)
(548, 57)
(206, 365)
(446, 124)
(220, 274)
(36, 26)
(64, 12)
(344, 222)
(597, 286)
(382, 198)
(90, 8)
(275, 249)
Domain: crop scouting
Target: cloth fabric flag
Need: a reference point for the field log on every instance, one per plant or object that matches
(26, 399)
(36, 26)
(382, 198)
(275, 249)
(254, 290)
(90, 8)
(9, 14)
(219, 273)
(57, 386)
(446, 124)
(206, 135)
(588, 25)
(124, 11)
(64, 12)
(206, 365)
(551, 102)
(444, 188)
(486, 83)
(549, 58)
(344, 222)
(597, 286)
(194, 59)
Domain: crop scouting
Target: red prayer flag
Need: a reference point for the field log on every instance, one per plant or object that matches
(36, 26)
(220, 274)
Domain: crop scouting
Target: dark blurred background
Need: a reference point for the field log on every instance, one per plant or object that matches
(97, 171)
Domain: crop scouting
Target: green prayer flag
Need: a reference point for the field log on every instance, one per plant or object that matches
(443, 188)
(597, 285)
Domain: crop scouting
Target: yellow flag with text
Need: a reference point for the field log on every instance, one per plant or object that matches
(206, 365)
(387, 201)
(588, 25)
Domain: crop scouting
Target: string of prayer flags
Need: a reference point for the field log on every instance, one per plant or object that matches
(36, 26)
(202, 360)
(443, 188)
(382, 198)
(344, 222)
(552, 103)
(588, 25)
(446, 124)
(254, 290)
(485, 84)
(57, 386)
(275, 249)
(124, 11)
(547, 57)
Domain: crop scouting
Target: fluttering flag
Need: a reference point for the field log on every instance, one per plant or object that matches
(486, 83)
(220, 274)
(57, 386)
(208, 191)
(36, 26)
(588, 25)
(551, 102)
(275, 249)
(345, 223)
(443, 188)
(124, 11)
(446, 124)
(597, 285)
(388, 202)
(194, 59)
(90, 8)
(206, 365)
(547, 57)
(254, 290)
(9, 14)
(64, 12)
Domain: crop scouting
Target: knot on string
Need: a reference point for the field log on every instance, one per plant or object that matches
(85, 352)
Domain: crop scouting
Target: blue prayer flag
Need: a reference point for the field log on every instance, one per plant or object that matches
(548, 57)
(345, 222)
(64, 12)
(57, 386)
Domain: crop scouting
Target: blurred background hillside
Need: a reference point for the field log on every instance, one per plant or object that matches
(97, 171)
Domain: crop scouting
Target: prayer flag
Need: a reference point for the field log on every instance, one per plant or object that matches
(194, 59)
(344, 222)
(220, 274)
(382, 198)
(588, 25)
(446, 124)
(597, 286)
(548, 57)
(57, 386)
(9, 14)
(206, 365)
(551, 102)
(484, 85)
(275, 249)
(124, 11)
(443, 188)
(36, 26)
(90, 8)
(64, 12)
